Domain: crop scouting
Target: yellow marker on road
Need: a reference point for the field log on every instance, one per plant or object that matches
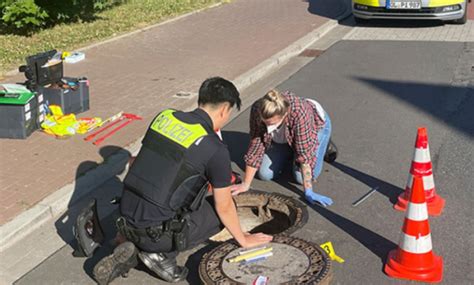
(330, 251)
(250, 254)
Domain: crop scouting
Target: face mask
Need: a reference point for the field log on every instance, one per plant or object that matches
(272, 128)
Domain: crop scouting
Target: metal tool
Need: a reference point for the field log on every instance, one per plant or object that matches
(117, 118)
(130, 118)
(108, 120)
(363, 198)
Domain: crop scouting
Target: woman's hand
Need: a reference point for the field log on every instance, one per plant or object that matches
(239, 188)
(314, 198)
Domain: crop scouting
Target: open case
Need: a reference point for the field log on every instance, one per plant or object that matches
(45, 75)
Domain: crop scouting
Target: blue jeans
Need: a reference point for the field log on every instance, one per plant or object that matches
(277, 157)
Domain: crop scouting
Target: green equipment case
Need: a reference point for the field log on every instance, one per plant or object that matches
(21, 112)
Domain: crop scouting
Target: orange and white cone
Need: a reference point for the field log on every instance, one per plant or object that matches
(421, 166)
(414, 258)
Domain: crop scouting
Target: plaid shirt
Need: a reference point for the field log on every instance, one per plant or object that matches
(302, 126)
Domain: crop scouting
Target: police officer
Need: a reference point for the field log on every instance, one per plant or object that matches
(164, 209)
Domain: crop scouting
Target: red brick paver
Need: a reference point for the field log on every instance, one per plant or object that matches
(140, 74)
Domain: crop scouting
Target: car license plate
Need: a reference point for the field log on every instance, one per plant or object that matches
(400, 4)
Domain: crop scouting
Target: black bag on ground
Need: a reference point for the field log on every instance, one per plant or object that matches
(88, 231)
(331, 152)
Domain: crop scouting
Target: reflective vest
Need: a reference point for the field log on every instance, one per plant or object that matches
(161, 174)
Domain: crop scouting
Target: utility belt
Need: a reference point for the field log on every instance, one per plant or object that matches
(176, 229)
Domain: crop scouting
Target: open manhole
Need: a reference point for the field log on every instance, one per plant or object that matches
(294, 261)
(269, 213)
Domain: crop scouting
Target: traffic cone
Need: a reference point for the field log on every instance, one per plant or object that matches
(421, 165)
(414, 258)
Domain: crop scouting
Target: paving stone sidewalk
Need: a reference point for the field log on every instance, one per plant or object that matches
(140, 74)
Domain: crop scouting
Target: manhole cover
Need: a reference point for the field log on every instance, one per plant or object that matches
(269, 213)
(294, 261)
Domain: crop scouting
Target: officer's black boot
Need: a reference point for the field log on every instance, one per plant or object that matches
(164, 267)
(117, 264)
(331, 152)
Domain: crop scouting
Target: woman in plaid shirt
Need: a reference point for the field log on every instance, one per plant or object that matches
(286, 128)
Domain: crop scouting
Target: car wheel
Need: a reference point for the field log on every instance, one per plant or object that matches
(463, 19)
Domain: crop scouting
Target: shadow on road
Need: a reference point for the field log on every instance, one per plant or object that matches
(194, 260)
(451, 104)
(332, 9)
(390, 23)
(237, 143)
(389, 190)
(85, 180)
(374, 242)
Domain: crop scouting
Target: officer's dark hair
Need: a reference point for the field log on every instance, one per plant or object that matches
(217, 90)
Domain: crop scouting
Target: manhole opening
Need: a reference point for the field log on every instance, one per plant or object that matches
(279, 222)
(269, 213)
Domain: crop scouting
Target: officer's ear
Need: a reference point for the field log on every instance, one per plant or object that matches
(224, 110)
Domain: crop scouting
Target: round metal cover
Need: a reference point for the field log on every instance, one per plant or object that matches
(269, 213)
(294, 261)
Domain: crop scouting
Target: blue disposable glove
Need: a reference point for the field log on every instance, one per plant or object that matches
(313, 198)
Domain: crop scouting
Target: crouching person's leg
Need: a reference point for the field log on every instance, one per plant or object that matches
(117, 264)
(274, 161)
(204, 223)
(161, 257)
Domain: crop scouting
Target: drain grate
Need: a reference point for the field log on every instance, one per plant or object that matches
(185, 95)
(311, 53)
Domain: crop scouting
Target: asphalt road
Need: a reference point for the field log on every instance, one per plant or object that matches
(377, 94)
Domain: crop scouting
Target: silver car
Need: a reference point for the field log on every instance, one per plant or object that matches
(446, 10)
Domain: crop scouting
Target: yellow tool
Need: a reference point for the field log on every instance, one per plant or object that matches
(330, 251)
(101, 123)
(252, 250)
(250, 254)
(65, 54)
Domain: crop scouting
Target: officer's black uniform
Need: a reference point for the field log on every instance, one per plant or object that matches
(144, 200)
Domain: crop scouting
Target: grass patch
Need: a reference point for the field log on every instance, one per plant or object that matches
(127, 17)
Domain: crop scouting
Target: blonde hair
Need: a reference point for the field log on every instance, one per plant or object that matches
(273, 104)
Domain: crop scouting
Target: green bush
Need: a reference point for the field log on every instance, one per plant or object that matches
(22, 15)
(26, 16)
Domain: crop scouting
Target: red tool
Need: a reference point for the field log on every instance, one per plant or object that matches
(129, 117)
(91, 136)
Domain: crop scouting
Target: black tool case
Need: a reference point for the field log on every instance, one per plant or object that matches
(45, 75)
